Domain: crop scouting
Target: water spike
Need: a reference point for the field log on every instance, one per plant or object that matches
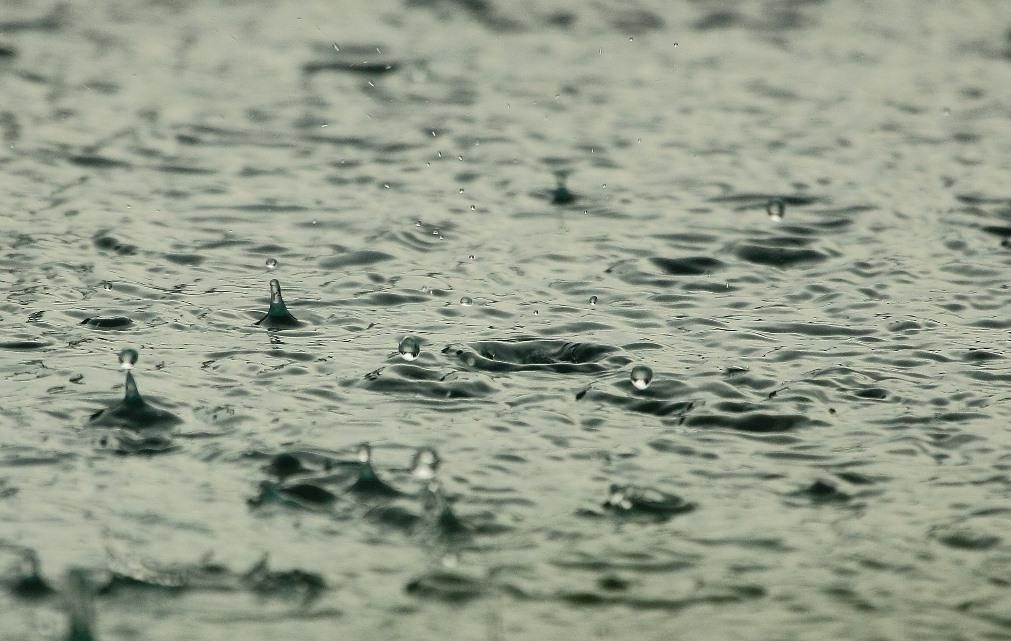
(132, 396)
(368, 482)
(277, 315)
(80, 610)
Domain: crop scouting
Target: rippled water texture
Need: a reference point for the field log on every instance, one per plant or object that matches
(542, 196)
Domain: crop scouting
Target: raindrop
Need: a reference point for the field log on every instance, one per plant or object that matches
(631, 38)
(433, 133)
(409, 348)
(106, 285)
(536, 313)
(336, 48)
(473, 207)
(435, 232)
(418, 223)
(472, 257)
(466, 301)
(593, 300)
(440, 154)
(425, 464)
(603, 186)
(641, 377)
(459, 157)
(364, 453)
(271, 264)
(775, 208)
(314, 221)
(461, 190)
(128, 358)
(386, 185)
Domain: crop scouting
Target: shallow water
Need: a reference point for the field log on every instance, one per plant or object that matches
(823, 451)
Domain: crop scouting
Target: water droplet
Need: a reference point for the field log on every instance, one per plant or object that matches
(425, 464)
(418, 223)
(473, 207)
(433, 133)
(439, 153)
(641, 377)
(472, 257)
(435, 232)
(466, 301)
(314, 221)
(271, 264)
(603, 186)
(364, 453)
(459, 157)
(675, 44)
(336, 48)
(106, 285)
(409, 348)
(536, 313)
(461, 190)
(631, 38)
(128, 358)
(593, 300)
(386, 185)
(775, 208)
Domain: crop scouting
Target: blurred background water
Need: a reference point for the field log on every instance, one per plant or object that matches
(793, 212)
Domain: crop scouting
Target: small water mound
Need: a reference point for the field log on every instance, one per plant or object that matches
(535, 354)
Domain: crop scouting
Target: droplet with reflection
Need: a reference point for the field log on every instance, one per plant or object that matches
(641, 377)
(128, 358)
(775, 208)
(409, 348)
(133, 412)
(466, 301)
(271, 264)
(593, 300)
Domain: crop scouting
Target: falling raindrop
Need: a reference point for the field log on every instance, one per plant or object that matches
(425, 464)
(271, 264)
(409, 348)
(461, 190)
(641, 377)
(466, 301)
(775, 208)
(128, 358)
(593, 300)
(364, 453)
(106, 285)
(473, 207)
(472, 257)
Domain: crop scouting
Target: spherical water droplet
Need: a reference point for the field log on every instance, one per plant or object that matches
(417, 223)
(466, 301)
(440, 154)
(271, 264)
(472, 257)
(106, 285)
(128, 358)
(603, 186)
(641, 377)
(459, 157)
(536, 313)
(593, 300)
(409, 348)
(425, 464)
(364, 453)
(461, 190)
(631, 38)
(314, 221)
(775, 208)
(473, 207)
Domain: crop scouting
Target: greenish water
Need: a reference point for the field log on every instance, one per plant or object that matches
(793, 213)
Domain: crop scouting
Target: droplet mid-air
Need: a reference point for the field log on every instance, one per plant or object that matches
(277, 315)
(271, 264)
(425, 464)
(409, 348)
(593, 300)
(775, 208)
(466, 301)
(641, 377)
(128, 358)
